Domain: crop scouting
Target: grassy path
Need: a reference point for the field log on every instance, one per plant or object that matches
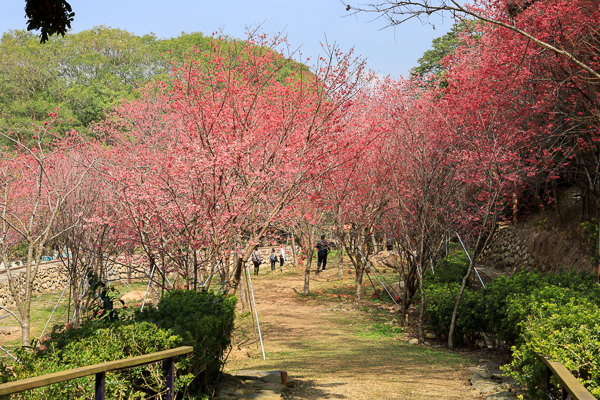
(342, 354)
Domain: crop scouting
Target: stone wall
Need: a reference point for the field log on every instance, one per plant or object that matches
(51, 277)
(507, 251)
(529, 247)
(138, 273)
(265, 253)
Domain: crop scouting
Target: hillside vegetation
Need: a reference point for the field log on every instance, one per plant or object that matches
(85, 74)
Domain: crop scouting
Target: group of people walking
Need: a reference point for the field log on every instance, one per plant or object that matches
(257, 259)
(322, 251)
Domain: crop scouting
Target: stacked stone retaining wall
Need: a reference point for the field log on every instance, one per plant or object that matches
(507, 251)
(50, 277)
(531, 248)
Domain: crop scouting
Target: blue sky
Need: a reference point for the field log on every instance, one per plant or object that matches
(391, 51)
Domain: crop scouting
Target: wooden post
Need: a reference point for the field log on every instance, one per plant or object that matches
(599, 252)
(170, 378)
(100, 384)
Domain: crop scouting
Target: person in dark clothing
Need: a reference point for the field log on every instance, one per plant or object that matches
(273, 259)
(256, 259)
(390, 244)
(322, 250)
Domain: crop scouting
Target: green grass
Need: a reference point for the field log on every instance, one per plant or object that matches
(377, 331)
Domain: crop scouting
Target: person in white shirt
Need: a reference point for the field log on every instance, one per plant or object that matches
(282, 256)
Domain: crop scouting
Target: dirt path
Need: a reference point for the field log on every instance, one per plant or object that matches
(342, 354)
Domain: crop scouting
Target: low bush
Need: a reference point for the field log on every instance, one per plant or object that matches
(440, 304)
(531, 313)
(182, 318)
(567, 332)
(93, 343)
(498, 310)
(452, 269)
(203, 320)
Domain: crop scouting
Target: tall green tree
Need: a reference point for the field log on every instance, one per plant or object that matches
(430, 62)
(88, 73)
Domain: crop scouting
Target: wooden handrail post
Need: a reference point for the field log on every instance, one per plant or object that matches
(549, 395)
(100, 385)
(571, 387)
(170, 378)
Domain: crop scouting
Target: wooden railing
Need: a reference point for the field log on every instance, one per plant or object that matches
(570, 385)
(100, 370)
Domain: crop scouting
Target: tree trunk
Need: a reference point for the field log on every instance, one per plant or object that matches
(456, 304)
(294, 249)
(421, 276)
(421, 307)
(307, 271)
(236, 274)
(340, 259)
(359, 277)
(129, 266)
(195, 277)
(25, 330)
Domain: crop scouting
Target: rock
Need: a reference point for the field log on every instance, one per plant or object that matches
(482, 374)
(503, 395)
(257, 374)
(413, 341)
(430, 335)
(263, 396)
(234, 392)
(273, 377)
(137, 295)
(8, 330)
(274, 387)
(485, 386)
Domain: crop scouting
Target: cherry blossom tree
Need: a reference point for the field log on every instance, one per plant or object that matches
(37, 179)
(226, 149)
(527, 19)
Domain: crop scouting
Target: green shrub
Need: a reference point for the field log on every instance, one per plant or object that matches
(535, 314)
(94, 343)
(590, 233)
(498, 310)
(439, 307)
(567, 332)
(203, 320)
(453, 268)
(182, 318)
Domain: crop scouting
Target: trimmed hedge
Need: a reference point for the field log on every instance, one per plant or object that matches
(201, 319)
(498, 310)
(95, 343)
(567, 332)
(531, 313)
(182, 318)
